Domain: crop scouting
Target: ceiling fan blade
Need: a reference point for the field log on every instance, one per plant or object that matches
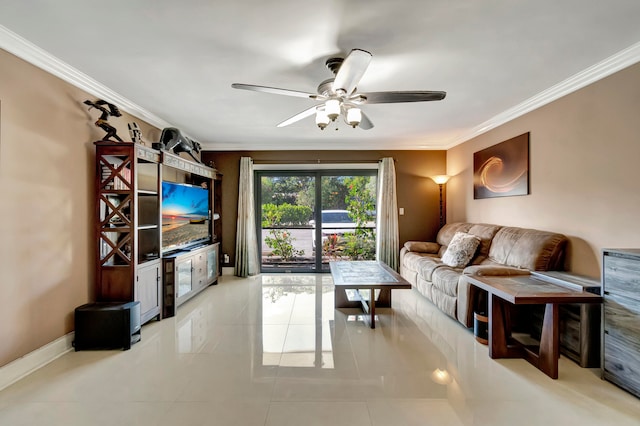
(274, 90)
(351, 70)
(397, 97)
(304, 114)
(365, 122)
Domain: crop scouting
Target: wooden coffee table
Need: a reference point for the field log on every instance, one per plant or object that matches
(531, 290)
(365, 275)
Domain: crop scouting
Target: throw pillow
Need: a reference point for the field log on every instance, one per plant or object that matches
(460, 250)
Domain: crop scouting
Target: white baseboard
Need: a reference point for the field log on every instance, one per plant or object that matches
(227, 270)
(29, 363)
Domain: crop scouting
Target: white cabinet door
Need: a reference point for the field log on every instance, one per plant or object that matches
(148, 289)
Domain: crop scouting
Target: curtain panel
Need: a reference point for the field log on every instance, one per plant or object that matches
(246, 240)
(387, 237)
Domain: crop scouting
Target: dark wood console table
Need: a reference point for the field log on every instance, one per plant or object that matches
(528, 290)
(580, 323)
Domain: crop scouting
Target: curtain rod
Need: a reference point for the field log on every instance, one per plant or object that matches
(317, 166)
(318, 161)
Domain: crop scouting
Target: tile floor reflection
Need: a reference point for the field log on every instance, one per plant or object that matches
(271, 350)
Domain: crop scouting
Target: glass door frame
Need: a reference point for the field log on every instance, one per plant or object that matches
(318, 174)
(258, 175)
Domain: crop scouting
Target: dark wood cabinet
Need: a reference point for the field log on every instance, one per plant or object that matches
(621, 325)
(127, 226)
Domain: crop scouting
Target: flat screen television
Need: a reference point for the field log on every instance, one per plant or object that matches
(185, 216)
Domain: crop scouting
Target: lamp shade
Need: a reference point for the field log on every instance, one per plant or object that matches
(440, 179)
(354, 116)
(332, 108)
(322, 119)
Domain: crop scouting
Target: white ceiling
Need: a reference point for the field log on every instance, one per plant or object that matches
(173, 63)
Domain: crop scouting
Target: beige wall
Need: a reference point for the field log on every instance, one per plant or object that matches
(584, 171)
(46, 200)
(584, 176)
(417, 194)
(46, 204)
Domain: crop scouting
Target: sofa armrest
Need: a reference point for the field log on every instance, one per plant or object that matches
(494, 270)
(422, 247)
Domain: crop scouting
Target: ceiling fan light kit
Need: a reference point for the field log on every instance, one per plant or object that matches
(354, 116)
(322, 119)
(338, 95)
(332, 108)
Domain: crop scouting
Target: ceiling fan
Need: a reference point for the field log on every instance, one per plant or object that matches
(339, 95)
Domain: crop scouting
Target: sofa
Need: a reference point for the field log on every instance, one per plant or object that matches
(439, 272)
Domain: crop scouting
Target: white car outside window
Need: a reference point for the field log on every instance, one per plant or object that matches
(334, 222)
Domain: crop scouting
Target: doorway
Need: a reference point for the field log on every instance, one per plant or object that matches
(305, 219)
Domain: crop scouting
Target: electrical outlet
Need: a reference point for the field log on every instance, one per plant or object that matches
(401, 211)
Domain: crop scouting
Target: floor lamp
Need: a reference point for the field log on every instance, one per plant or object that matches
(441, 180)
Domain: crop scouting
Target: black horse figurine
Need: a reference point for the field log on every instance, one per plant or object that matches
(174, 140)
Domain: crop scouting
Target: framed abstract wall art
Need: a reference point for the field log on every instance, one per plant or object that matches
(502, 170)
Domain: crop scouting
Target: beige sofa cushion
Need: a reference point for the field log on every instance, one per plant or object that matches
(445, 279)
(426, 267)
(422, 263)
(486, 233)
(528, 248)
(412, 259)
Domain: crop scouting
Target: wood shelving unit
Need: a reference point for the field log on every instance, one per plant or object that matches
(130, 262)
(128, 226)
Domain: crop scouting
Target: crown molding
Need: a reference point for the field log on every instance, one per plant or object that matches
(605, 68)
(24, 49)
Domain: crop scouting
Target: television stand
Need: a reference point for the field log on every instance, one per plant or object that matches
(186, 273)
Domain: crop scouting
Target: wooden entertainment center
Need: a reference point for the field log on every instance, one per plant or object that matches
(130, 260)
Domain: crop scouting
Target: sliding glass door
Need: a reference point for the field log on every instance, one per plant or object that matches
(307, 219)
(286, 203)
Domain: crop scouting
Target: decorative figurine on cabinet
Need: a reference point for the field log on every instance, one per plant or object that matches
(102, 120)
(134, 131)
(173, 139)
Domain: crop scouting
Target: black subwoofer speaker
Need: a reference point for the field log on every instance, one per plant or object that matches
(107, 325)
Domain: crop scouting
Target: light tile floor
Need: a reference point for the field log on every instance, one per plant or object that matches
(271, 350)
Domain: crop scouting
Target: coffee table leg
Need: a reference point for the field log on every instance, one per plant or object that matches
(384, 298)
(549, 341)
(340, 299)
(372, 307)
